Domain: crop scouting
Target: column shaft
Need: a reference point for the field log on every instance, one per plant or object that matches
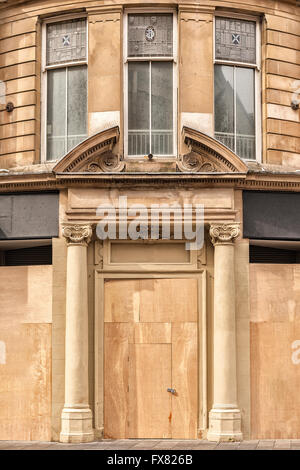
(76, 415)
(225, 417)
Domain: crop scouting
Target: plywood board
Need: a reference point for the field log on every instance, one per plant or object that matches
(145, 355)
(25, 381)
(116, 362)
(184, 380)
(275, 351)
(275, 380)
(149, 401)
(168, 300)
(120, 303)
(152, 333)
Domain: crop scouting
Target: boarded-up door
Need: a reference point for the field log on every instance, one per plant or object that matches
(151, 346)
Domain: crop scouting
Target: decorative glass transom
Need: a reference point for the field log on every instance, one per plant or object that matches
(150, 35)
(66, 42)
(235, 40)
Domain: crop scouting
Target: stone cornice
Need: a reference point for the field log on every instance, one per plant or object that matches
(253, 180)
(223, 234)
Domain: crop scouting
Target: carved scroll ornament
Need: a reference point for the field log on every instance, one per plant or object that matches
(223, 234)
(195, 162)
(77, 234)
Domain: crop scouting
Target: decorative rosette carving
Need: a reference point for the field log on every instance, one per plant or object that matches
(105, 162)
(223, 234)
(194, 162)
(77, 234)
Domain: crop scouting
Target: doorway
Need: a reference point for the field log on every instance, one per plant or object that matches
(151, 358)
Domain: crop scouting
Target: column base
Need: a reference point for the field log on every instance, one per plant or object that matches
(224, 425)
(76, 425)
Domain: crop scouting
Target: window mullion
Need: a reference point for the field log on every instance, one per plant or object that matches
(234, 110)
(150, 107)
(66, 115)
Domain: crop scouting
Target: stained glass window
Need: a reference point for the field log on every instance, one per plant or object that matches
(150, 35)
(235, 40)
(66, 42)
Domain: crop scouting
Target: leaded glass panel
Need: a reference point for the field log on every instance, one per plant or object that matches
(150, 35)
(235, 40)
(66, 42)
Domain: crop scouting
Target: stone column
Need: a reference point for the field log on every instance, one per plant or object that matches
(224, 417)
(76, 419)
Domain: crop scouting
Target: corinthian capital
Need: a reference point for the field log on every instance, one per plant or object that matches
(77, 234)
(223, 234)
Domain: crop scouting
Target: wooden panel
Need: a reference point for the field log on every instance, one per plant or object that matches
(25, 294)
(121, 300)
(184, 380)
(152, 333)
(25, 382)
(149, 401)
(275, 364)
(116, 355)
(149, 253)
(155, 304)
(275, 381)
(141, 353)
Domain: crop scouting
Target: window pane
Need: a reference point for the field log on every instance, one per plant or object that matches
(150, 35)
(235, 40)
(224, 105)
(162, 108)
(138, 108)
(245, 113)
(66, 41)
(56, 113)
(77, 105)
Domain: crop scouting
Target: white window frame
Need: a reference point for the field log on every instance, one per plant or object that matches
(172, 58)
(45, 68)
(257, 76)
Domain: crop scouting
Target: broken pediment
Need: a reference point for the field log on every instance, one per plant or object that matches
(207, 155)
(93, 155)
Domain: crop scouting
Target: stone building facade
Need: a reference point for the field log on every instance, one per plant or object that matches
(165, 103)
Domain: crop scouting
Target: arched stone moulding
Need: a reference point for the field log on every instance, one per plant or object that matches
(93, 155)
(207, 155)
